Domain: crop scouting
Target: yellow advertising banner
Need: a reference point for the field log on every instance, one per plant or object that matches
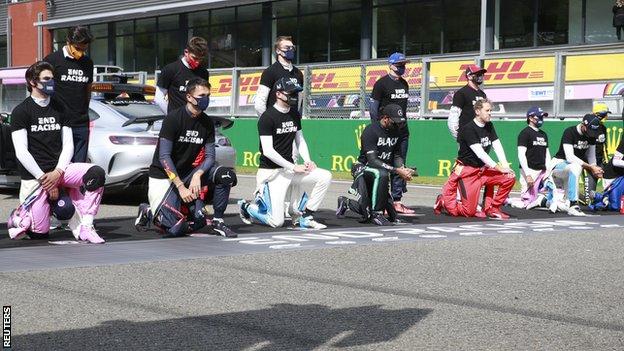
(595, 67)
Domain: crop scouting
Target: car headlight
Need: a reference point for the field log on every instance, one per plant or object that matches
(130, 140)
(224, 141)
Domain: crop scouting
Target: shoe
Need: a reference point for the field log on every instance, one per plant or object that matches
(438, 207)
(495, 213)
(88, 233)
(400, 208)
(575, 210)
(55, 223)
(244, 215)
(379, 219)
(308, 222)
(540, 201)
(480, 214)
(223, 230)
(342, 206)
(74, 226)
(144, 218)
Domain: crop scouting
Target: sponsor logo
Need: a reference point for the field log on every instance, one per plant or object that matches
(614, 137)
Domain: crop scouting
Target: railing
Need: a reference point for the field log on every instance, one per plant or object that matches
(565, 83)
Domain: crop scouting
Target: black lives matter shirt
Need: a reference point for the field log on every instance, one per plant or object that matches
(189, 136)
(465, 98)
(610, 171)
(174, 77)
(470, 134)
(273, 73)
(536, 142)
(600, 145)
(376, 138)
(282, 127)
(390, 91)
(72, 78)
(44, 128)
(580, 142)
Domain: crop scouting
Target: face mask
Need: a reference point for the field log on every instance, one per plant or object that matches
(193, 64)
(478, 79)
(400, 70)
(47, 87)
(202, 102)
(288, 54)
(77, 54)
(539, 122)
(291, 100)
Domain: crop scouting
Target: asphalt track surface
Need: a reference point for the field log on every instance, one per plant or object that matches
(536, 282)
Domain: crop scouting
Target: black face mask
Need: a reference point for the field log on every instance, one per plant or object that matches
(292, 100)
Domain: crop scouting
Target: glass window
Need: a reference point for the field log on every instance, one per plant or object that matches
(313, 6)
(125, 52)
(249, 44)
(390, 28)
(423, 28)
(169, 22)
(3, 50)
(203, 32)
(226, 15)
(125, 27)
(552, 22)
(59, 37)
(98, 51)
(222, 46)
(599, 25)
(345, 35)
(313, 38)
(386, 2)
(286, 27)
(145, 25)
(145, 52)
(198, 19)
(345, 4)
(249, 13)
(284, 8)
(517, 30)
(99, 30)
(168, 48)
(461, 26)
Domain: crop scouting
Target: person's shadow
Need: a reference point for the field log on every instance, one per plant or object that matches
(282, 327)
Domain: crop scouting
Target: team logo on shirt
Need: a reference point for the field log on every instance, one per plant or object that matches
(582, 145)
(191, 137)
(75, 75)
(399, 94)
(287, 127)
(485, 142)
(540, 141)
(601, 138)
(183, 87)
(477, 98)
(45, 124)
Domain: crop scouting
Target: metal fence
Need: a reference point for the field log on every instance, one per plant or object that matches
(564, 83)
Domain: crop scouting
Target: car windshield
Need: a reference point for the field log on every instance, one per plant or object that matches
(132, 109)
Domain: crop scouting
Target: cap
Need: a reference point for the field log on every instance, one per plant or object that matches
(288, 85)
(592, 122)
(395, 112)
(397, 57)
(537, 112)
(63, 208)
(601, 108)
(474, 69)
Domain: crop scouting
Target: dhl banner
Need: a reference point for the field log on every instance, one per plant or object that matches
(537, 70)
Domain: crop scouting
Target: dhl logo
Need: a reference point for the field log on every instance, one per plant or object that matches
(247, 84)
(500, 71)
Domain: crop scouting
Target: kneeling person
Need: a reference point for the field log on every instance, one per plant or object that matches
(278, 176)
(44, 148)
(380, 156)
(475, 169)
(178, 174)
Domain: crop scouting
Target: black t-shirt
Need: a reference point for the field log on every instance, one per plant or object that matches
(580, 143)
(470, 134)
(72, 78)
(174, 77)
(189, 136)
(611, 171)
(600, 145)
(282, 127)
(273, 73)
(536, 143)
(44, 128)
(465, 98)
(375, 138)
(390, 91)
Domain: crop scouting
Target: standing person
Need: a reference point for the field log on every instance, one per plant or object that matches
(618, 18)
(474, 169)
(577, 151)
(283, 67)
(393, 89)
(171, 85)
(73, 74)
(379, 157)
(462, 110)
(44, 148)
(278, 127)
(176, 178)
